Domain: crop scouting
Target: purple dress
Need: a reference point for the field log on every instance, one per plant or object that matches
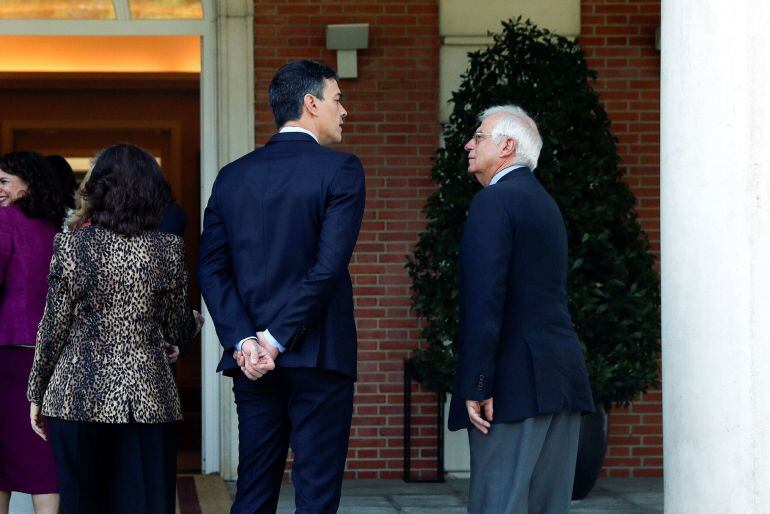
(26, 246)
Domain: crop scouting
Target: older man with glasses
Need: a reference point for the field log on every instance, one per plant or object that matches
(522, 382)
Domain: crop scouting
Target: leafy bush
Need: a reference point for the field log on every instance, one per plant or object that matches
(614, 291)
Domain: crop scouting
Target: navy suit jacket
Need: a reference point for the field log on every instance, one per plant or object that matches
(174, 220)
(517, 342)
(278, 234)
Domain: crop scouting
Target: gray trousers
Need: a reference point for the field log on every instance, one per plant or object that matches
(525, 467)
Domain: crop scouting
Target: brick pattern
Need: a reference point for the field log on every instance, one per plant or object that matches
(393, 127)
(618, 36)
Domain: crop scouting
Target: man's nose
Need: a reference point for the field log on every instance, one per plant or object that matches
(344, 113)
(469, 145)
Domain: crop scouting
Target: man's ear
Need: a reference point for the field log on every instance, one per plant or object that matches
(508, 149)
(310, 103)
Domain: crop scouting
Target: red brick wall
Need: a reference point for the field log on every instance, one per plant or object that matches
(393, 127)
(618, 36)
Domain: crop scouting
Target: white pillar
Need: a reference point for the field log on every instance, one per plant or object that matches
(715, 238)
(227, 125)
(235, 27)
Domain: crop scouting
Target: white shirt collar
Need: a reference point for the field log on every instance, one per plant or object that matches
(291, 128)
(503, 172)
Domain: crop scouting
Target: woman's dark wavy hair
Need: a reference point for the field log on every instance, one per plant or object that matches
(65, 178)
(43, 198)
(126, 191)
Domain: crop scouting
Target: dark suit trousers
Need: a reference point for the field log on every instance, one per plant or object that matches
(312, 410)
(121, 468)
(526, 467)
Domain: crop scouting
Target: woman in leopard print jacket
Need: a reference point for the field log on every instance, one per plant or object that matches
(117, 295)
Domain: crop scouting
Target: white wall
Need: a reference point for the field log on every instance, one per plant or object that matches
(21, 504)
(464, 26)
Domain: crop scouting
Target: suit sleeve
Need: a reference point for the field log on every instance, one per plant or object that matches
(178, 321)
(54, 327)
(339, 232)
(216, 277)
(485, 254)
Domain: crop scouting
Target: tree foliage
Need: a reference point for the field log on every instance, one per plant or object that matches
(614, 290)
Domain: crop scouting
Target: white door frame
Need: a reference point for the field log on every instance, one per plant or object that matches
(227, 132)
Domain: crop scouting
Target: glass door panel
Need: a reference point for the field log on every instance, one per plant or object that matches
(166, 9)
(57, 9)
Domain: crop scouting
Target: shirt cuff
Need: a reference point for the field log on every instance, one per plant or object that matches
(273, 342)
(239, 344)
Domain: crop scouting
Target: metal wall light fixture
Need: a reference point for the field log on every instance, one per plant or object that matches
(347, 39)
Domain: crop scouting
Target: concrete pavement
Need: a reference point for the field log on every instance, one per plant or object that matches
(610, 496)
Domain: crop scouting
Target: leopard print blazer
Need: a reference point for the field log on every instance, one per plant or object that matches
(112, 302)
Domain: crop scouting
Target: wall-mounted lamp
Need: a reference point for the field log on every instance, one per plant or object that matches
(347, 39)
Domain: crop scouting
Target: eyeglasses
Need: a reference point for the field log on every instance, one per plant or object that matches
(478, 136)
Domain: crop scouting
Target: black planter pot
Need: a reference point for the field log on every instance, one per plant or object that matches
(591, 449)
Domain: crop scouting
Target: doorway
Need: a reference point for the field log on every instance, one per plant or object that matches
(75, 115)
(224, 38)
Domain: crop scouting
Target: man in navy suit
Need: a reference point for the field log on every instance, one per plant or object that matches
(278, 235)
(173, 220)
(521, 384)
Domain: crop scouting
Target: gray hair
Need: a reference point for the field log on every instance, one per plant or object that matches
(517, 125)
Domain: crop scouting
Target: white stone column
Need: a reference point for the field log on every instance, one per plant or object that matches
(715, 235)
(227, 125)
(235, 27)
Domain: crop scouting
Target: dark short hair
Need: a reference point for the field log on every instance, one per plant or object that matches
(64, 177)
(43, 199)
(126, 191)
(290, 85)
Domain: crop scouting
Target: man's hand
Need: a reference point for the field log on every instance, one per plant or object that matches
(478, 409)
(172, 352)
(37, 420)
(199, 321)
(255, 358)
(269, 348)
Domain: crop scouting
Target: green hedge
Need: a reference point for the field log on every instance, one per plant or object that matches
(614, 291)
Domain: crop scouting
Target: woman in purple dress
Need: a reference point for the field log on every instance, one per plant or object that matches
(31, 213)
